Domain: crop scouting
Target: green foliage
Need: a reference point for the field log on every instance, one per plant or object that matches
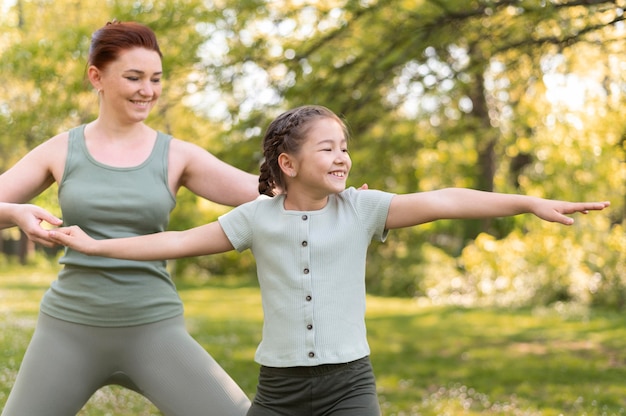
(452, 93)
(508, 96)
(608, 287)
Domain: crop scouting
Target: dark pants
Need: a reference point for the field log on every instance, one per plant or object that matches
(332, 389)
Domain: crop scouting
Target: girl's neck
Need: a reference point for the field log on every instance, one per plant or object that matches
(304, 203)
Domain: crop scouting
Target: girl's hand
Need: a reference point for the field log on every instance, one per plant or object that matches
(73, 237)
(557, 211)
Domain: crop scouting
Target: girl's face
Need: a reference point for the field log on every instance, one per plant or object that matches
(131, 85)
(323, 163)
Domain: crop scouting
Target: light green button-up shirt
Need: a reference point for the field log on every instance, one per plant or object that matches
(311, 269)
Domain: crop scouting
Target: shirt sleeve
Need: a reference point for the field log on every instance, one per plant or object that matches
(372, 208)
(237, 225)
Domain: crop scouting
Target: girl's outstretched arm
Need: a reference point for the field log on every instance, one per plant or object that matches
(198, 241)
(459, 203)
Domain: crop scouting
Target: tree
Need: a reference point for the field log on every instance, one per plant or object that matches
(443, 93)
(436, 92)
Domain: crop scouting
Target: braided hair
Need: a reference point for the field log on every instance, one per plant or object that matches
(285, 134)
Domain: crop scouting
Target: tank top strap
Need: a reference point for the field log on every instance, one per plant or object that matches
(76, 135)
(75, 138)
(161, 153)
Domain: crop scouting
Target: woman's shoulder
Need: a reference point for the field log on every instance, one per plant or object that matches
(184, 149)
(55, 144)
(40, 157)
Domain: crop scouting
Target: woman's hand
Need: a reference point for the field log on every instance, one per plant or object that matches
(31, 220)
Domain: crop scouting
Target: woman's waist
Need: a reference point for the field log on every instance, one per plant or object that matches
(100, 301)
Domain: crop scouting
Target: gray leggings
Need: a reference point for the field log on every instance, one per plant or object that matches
(66, 363)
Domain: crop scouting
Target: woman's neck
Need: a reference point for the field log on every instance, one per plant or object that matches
(103, 128)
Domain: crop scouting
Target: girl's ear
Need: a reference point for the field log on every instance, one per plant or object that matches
(287, 165)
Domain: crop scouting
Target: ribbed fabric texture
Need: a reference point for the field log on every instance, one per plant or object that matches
(110, 202)
(311, 269)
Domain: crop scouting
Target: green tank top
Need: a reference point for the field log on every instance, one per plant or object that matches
(112, 202)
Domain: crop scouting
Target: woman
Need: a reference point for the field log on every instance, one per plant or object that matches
(107, 321)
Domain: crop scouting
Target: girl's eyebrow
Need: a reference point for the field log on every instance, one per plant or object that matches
(331, 141)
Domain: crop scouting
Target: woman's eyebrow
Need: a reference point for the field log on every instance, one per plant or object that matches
(139, 71)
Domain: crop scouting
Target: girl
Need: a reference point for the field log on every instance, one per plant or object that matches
(310, 242)
(109, 321)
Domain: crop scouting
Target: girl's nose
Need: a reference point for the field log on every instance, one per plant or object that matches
(343, 157)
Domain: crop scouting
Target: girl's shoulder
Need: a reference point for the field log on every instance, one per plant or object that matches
(354, 194)
(365, 202)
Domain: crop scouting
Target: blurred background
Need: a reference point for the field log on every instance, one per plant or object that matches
(518, 96)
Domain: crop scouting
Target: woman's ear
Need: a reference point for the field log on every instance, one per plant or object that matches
(95, 77)
(287, 165)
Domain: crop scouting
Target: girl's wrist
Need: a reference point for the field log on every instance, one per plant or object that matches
(532, 205)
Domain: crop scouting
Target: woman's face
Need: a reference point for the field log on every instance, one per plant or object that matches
(131, 85)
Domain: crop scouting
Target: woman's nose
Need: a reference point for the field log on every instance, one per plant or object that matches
(146, 89)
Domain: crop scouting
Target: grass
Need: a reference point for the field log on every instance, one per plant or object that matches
(563, 360)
